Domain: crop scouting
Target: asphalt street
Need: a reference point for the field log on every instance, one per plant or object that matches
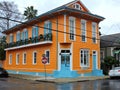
(20, 84)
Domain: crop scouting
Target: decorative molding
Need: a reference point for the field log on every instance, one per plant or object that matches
(29, 45)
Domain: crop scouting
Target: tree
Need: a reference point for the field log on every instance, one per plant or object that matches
(2, 47)
(108, 63)
(9, 11)
(30, 12)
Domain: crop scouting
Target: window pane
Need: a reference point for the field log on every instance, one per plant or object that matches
(83, 30)
(24, 59)
(47, 55)
(35, 57)
(84, 58)
(72, 28)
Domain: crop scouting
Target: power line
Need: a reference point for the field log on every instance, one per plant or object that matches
(55, 22)
(55, 30)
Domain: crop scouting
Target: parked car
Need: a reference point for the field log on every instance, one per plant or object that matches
(3, 73)
(115, 72)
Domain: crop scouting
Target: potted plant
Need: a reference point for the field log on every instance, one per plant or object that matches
(41, 37)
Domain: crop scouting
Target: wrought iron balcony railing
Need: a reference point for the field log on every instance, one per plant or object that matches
(31, 40)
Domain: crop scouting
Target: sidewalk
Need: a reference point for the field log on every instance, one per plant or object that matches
(56, 80)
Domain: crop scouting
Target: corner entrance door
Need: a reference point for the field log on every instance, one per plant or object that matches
(65, 61)
(94, 60)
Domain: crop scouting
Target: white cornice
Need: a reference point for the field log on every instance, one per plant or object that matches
(29, 45)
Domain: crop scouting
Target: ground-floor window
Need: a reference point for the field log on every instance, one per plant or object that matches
(34, 57)
(24, 58)
(84, 57)
(47, 53)
(10, 59)
(17, 59)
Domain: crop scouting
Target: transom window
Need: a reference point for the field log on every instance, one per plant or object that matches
(83, 30)
(72, 28)
(84, 57)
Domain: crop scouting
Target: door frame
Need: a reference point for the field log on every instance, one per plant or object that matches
(59, 59)
(96, 54)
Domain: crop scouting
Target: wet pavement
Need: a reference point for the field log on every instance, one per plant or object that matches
(19, 84)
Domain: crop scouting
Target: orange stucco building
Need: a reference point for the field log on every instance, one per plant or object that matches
(67, 35)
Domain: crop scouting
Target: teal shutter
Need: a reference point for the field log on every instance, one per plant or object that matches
(45, 29)
(27, 34)
(19, 36)
(37, 30)
(33, 32)
(12, 38)
(22, 36)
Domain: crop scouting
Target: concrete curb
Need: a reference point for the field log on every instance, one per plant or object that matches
(56, 80)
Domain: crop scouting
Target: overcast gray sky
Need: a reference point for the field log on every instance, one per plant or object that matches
(110, 9)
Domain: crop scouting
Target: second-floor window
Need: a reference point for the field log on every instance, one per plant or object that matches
(72, 28)
(25, 34)
(18, 36)
(83, 30)
(35, 31)
(11, 38)
(94, 32)
(47, 27)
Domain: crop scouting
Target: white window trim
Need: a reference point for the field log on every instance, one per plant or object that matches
(17, 60)
(33, 58)
(49, 55)
(10, 59)
(83, 20)
(72, 18)
(88, 59)
(23, 58)
(94, 23)
(78, 5)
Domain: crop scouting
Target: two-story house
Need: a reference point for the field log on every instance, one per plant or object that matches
(67, 35)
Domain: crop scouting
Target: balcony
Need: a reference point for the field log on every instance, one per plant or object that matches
(41, 39)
